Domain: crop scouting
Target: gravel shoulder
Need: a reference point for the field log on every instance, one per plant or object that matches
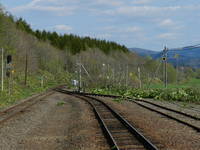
(166, 133)
(58, 122)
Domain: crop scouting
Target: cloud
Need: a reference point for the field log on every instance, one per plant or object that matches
(170, 24)
(132, 29)
(114, 29)
(142, 1)
(116, 7)
(108, 2)
(103, 36)
(37, 5)
(167, 36)
(142, 10)
(167, 22)
(129, 20)
(64, 28)
(146, 10)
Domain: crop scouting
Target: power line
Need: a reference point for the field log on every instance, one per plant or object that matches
(186, 47)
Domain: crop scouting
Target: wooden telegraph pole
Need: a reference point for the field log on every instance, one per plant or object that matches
(139, 76)
(26, 69)
(127, 75)
(165, 65)
(2, 70)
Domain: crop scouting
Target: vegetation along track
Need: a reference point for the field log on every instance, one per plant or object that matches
(21, 107)
(181, 117)
(120, 134)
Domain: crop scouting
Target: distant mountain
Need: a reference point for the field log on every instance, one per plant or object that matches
(187, 56)
(143, 52)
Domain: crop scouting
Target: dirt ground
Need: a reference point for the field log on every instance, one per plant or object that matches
(163, 132)
(59, 122)
(63, 122)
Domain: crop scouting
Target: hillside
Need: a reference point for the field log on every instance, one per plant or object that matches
(47, 61)
(143, 52)
(186, 56)
(69, 42)
(42, 59)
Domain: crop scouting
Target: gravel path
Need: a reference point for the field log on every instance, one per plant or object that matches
(58, 122)
(165, 132)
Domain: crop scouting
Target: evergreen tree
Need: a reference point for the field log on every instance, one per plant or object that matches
(73, 43)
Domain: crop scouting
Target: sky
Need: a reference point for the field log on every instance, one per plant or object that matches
(149, 24)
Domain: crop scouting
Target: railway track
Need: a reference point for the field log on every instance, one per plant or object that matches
(191, 108)
(120, 134)
(183, 118)
(178, 116)
(21, 107)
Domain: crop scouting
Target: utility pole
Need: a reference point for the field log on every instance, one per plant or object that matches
(42, 81)
(113, 80)
(80, 78)
(81, 84)
(26, 68)
(139, 76)
(127, 71)
(2, 70)
(165, 65)
(177, 56)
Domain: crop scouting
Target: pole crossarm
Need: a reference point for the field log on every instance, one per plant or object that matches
(81, 65)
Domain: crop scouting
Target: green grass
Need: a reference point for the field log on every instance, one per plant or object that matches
(187, 84)
(20, 91)
(61, 103)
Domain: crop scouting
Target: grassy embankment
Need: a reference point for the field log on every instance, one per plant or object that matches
(34, 85)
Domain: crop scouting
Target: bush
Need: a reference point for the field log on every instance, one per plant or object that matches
(180, 94)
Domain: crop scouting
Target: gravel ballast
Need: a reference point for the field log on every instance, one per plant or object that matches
(170, 134)
(58, 122)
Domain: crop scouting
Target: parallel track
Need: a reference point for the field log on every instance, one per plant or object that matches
(181, 117)
(21, 107)
(169, 109)
(185, 119)
(120, 134)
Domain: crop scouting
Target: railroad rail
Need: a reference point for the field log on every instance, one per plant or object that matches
(183, 118)
(17, 109)
(169, 109)
(120, 134)
(178, 116)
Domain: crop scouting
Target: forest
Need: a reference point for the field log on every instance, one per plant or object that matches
(72, 43)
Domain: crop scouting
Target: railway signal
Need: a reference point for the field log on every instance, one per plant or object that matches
(9, 59)
(164, 58)
(9, 71)
(9, 66)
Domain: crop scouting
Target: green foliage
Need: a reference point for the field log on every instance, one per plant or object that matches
(181, 94)
(21, 24)
(61, 103)
(72, 43)
(20, 91)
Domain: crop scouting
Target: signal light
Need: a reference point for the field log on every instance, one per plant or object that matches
(9, 59)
